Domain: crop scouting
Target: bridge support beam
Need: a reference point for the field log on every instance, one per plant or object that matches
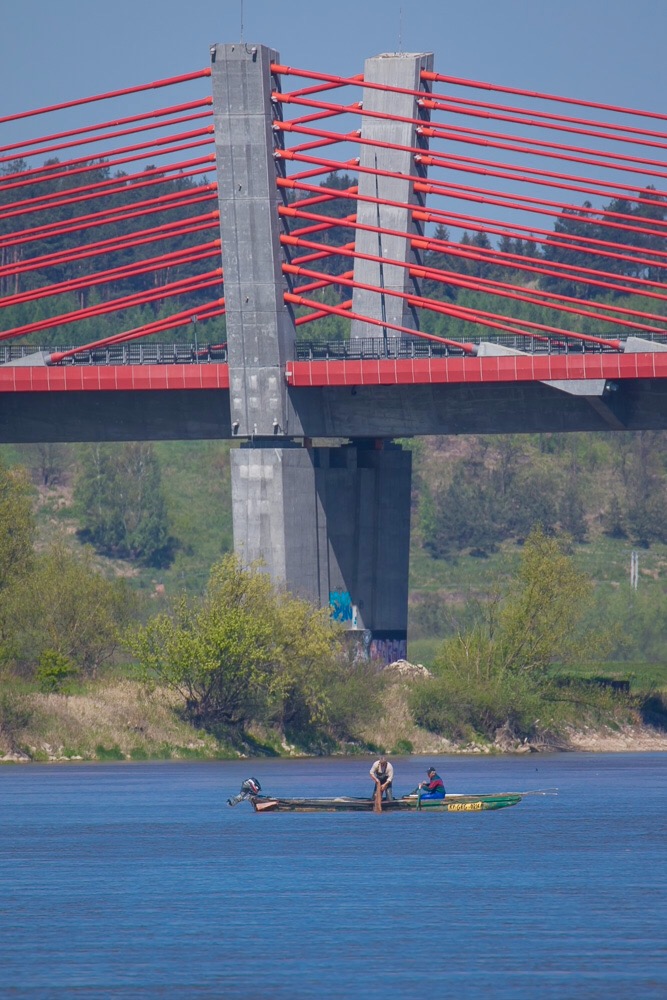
(402, 71)
(333, 525)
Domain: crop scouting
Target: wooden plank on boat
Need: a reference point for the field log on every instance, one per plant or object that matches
(265, 805)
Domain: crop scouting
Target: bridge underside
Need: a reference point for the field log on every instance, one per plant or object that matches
(327, 412)
(120, 415)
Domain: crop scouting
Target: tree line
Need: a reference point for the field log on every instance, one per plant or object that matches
(580, 237)
(580, 485)
(62, 209)
(244, 654)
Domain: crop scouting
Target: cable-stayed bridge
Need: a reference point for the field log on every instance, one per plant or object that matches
(279, 255)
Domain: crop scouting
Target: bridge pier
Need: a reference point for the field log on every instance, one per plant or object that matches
(333, 525)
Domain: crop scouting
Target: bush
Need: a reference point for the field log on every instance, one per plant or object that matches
(462, 709)
(354, 698)
(109, 753)
(53, 671)
(15, 716)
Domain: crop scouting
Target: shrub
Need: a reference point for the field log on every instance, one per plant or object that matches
(15, 716)
(54, 670)
(464, 708)
(109, 753)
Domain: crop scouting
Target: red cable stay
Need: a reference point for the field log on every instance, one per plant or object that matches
(21, 147)
(169, 290)
(204, 311)
(156, 85)
(123, 184)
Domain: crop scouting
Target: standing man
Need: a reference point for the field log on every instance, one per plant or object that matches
(382, 773)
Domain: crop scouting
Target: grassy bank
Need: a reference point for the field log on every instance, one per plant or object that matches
(114, 719)
(117, 718)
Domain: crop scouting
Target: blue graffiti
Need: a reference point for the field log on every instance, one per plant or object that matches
(342, 609)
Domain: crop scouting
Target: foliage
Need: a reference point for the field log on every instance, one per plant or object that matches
(645, 493)
(546, 604)
(64, 610)
(196, 480)
(48, 462)
(496, 673)
(354, 697)
(121, 504)
(54, 670)
(129, 190)
(17, 524)
(243, 652)
(15, 716)
(463, 709)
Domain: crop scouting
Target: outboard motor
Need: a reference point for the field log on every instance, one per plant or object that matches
(249, 789)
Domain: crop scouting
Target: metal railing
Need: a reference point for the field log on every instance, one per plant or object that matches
(367, 348)
(372, 348)
(124, 354)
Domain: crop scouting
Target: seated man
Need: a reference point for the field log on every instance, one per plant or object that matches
(382, 774)
(434, 788)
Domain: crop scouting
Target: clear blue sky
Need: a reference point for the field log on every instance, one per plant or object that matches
(605, 50)
(51, 51)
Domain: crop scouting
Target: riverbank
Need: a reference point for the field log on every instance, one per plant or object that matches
(122, 720)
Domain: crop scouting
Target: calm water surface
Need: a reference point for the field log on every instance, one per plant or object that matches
(136, 880)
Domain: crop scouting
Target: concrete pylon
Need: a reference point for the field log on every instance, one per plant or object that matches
(260, 331)
(402, 71)
(331, 524)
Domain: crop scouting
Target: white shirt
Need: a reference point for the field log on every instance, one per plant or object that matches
(389, 775)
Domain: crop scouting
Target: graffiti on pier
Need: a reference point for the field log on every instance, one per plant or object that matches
(388, 650)
(342, 608)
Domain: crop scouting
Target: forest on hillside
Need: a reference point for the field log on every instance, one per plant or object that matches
(607, 247)
(159, 516)
(520, 543)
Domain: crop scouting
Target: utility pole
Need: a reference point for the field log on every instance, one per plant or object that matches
(634, 569)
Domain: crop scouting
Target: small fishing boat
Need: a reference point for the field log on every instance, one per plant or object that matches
(407, 803)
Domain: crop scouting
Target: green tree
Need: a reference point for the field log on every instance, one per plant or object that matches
(548, 600)
(122, 509)
(646, 490)
(572, 512)
(571, 228)
(244, 651)
(531, 499)
(95, 494)
(462, 515)
(17, 525)
(496, 673)
(613, 519)
(65, 608)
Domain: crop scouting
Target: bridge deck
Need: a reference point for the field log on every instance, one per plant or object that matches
(304, 374)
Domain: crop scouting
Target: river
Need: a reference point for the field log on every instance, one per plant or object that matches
(137, 880)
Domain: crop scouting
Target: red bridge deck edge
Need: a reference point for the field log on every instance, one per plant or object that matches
(312, 374)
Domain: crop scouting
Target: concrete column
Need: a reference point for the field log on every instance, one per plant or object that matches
(333, 526)
(403, 71)
(260, 331)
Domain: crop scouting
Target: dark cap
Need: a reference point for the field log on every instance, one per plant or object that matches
(431, 770)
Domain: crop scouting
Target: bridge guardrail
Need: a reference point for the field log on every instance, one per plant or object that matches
(370, 348)
(124, 354)
(414, 347)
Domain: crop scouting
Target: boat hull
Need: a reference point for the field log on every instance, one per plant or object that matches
(409, 803)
